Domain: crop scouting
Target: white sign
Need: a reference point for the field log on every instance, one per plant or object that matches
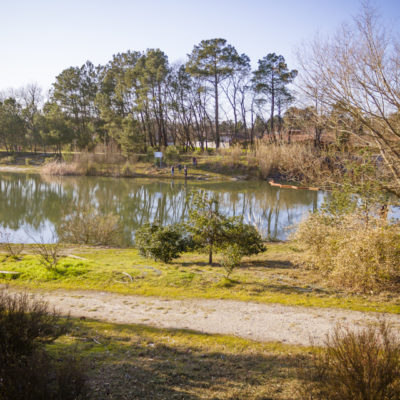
(158, 154)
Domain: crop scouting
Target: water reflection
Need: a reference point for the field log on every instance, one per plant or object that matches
(36, 204)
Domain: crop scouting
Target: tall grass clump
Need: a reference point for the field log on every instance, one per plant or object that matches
(62, 168)
(86, 225)
(299, 161)
(351, 250)
(232, 156)
(102, 161)
(27, 370)
(356, 365)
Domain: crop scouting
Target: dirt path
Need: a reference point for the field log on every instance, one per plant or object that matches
(261, 322)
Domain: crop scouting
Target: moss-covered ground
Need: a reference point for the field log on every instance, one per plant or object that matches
(270, 277)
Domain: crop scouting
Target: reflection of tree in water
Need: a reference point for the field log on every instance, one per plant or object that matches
(34, 202)
(271, 209)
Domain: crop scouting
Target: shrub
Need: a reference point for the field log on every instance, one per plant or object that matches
(171, 153)
(49, 253)
(163, 243)
(63, 169)
(240, 240)
(231, 257)
(13, 250)
(357, 365)
(127, 170)
(150, 153)
(27, 372)
(351, 250)
(246, 237)
(232, 155)
(8, 160)
(300, 162)
(85, 225)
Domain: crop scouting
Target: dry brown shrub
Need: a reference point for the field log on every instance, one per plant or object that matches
(27, 370)
(232, 156)
(63, 168)
(85, 225)
(300, 161)
(351, 251)
(49, 254)
(356, 365)
(13, 250)
(91, 164)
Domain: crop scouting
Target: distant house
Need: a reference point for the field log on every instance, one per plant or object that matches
(224, 143)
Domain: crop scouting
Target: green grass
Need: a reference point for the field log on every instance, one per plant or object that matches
(266, 278)
(135, 361)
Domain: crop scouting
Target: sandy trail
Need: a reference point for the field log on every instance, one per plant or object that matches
(260, 322)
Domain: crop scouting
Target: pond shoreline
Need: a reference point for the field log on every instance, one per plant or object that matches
(206, 169)
(162, 174)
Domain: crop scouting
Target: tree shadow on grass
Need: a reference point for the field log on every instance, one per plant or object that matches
(195, 264)
(260, 287)
(141, 366)
(281, 264)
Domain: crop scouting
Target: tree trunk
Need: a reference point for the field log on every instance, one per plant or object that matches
(210, 256)
(216, 113)
(272, 105)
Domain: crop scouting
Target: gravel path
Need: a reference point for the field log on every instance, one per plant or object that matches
(260, 322)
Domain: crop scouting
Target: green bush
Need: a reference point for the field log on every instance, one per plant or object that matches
(150, 153)
(246, 237)
(356, 365)
(240, 240)
(171, 153)
(231, 257)
(162, 243)
(27, 371)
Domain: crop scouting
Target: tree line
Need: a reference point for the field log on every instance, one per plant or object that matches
(139, 99)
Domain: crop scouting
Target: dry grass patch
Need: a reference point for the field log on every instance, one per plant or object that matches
(299, 161)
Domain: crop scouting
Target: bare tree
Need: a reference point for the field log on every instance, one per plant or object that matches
(358, 71)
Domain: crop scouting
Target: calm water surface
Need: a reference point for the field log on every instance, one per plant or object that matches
(32, 206)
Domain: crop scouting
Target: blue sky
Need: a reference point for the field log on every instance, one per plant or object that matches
(40, 38)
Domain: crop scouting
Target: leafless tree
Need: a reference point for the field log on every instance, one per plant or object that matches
(358, 71)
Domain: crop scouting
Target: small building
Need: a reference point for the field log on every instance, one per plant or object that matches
(224, 143)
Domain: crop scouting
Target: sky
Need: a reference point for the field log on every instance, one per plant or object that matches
(40, 38)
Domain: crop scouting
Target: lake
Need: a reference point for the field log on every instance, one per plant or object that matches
(31, 206)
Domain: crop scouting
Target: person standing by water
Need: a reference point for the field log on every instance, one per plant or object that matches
(185, 171)
(172, 170)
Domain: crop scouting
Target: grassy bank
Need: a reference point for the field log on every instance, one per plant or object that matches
(296, 162)
(270, 277)
(138, 362)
